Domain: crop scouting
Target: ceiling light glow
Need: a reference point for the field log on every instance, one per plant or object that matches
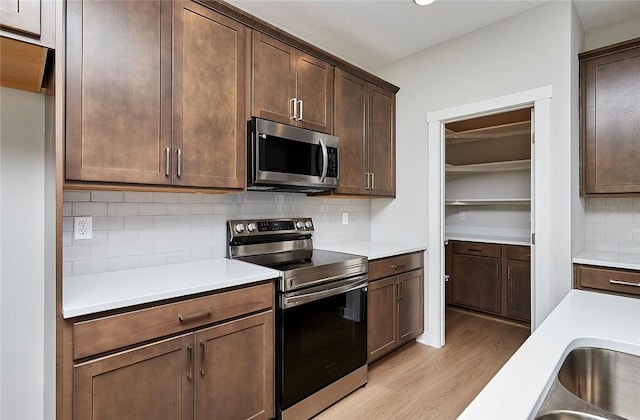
(423, 2)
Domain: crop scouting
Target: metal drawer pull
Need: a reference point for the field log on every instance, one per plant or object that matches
(446, 277)
(193, 317)
(396, 267)
(624, 283)
(202, 358)
(474, 250)
(300, 103)
(190, 368)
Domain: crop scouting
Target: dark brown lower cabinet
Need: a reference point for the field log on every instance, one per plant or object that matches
(151, 381)
(208, 357)
(519, 290)
(491, 278)
(221, 372)
(477, 283)
(395, 313)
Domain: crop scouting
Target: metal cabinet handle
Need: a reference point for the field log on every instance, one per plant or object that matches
(401, 288)
(193, 317)
(446, 277)
(300, 103)
(368, 180)
(179, 162)
(167, 165)
(202, 358)
(624, 283)
(397, 289)
(474, 250)
(509, 273)
(373, 181)
(190, 366)
(396, 267)
(294, 108)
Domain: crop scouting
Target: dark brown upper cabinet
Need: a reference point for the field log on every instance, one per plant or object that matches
(290, 86)
(609, 115)
(131, 118)
(365, 123)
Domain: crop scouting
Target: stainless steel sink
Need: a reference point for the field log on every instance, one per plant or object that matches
(594, 383)
(568, 415)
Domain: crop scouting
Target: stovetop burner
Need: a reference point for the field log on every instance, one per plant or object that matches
(286, 245)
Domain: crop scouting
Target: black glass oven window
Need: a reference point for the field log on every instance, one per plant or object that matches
(290, 156)
(322, 341)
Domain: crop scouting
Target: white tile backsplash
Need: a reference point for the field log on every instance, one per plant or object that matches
(612, 224)
(142, 229)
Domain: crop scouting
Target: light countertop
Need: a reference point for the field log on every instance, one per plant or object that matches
(494, 239)
(608, 259)
(582, 319)
(86, 294)
(374, 249)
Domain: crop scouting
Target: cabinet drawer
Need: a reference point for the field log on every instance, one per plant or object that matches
(521, 253)
(619, 281)
(475, 248)
(112, 332)
(394, 265)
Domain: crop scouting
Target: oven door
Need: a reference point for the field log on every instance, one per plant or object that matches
(322, 337)
(290, 156)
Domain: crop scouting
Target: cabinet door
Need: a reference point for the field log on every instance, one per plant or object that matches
(448, 271)
(208, 98)
(610, 88)
(118, 91)
(273, 79)
(382, 318)
(350, 120)
(235, 369)
(21, 16)
(314, 88)
(477, 283)
(519, 290)
(410, 305)
(150, 382)
(382, 142)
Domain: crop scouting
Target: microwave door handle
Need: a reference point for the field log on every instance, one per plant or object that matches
(325, 161)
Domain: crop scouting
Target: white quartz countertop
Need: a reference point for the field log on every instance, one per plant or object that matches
(494, 239)
(91, 293)
(374, 249)
(582, 319)
(608, 259)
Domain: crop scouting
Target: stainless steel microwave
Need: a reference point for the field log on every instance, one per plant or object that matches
(281, 157)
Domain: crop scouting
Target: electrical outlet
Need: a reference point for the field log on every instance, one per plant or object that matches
(83, 227)
(345, 218)
(462, 215)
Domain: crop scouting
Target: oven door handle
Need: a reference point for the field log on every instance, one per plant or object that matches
(291, 301)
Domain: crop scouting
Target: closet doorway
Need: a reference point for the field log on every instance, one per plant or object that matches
(487, 216)
(538, 99)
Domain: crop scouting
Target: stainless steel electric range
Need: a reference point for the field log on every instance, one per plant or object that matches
(321, 320)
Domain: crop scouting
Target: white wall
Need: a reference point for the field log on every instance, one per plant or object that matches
(528, 51)
(22, 266)
(612, 35)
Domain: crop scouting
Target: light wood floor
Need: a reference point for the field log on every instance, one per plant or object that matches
(421, 382)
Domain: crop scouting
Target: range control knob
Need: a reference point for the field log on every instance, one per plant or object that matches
(308, 224)
(299, 224)
(251, 227)
(239, 227)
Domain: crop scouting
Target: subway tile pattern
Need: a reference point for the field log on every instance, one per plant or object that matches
(612, 224)
(142, 229)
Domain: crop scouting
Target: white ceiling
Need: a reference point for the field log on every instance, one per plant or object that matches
(372, 33)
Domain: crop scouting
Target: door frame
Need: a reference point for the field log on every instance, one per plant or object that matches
(540, 100)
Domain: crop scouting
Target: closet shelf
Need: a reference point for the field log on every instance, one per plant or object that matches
(511, 165)
(487, 201)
